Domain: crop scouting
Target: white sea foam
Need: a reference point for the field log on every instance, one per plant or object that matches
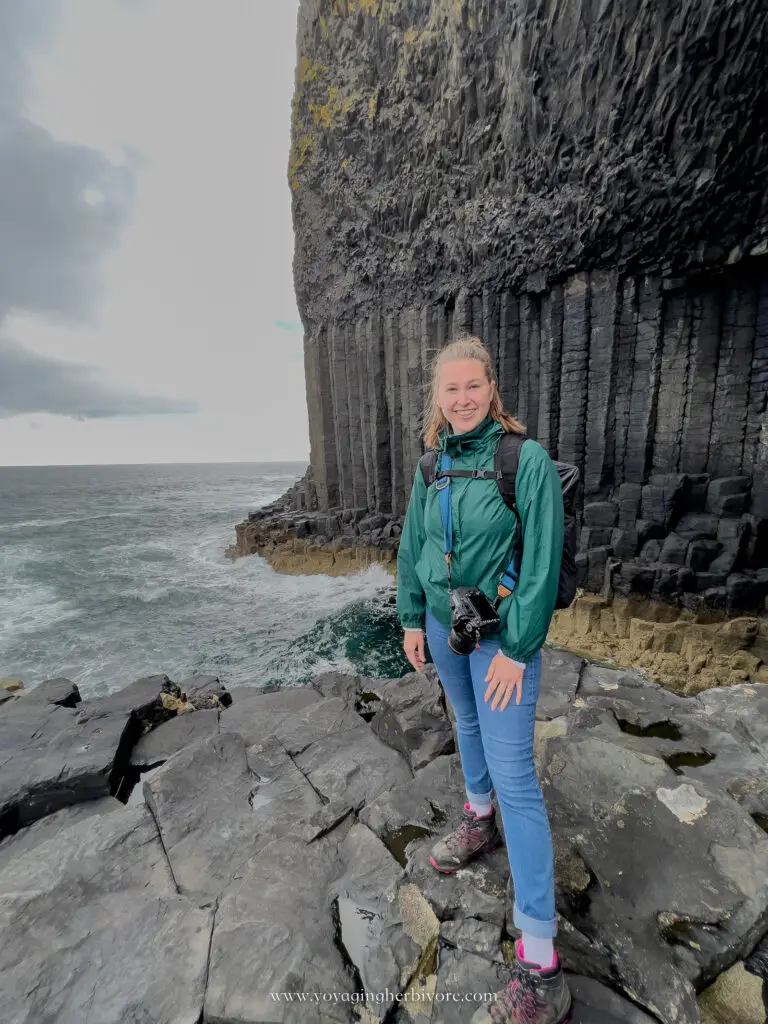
(143, 585)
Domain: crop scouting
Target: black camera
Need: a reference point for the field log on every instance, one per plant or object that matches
(472, 617)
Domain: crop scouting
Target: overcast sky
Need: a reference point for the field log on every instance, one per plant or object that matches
(147, 311)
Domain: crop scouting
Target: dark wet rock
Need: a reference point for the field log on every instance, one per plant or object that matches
(473, 936)
(55, 691)
(411, 717)
(309, 838)
(719, 852)
(172, 736)
(205, 692)
(53, 757)
(370, 923)
(560, 675)
(594, 1003)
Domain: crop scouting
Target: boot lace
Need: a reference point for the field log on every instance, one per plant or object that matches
(519, 1003)
(466, 833)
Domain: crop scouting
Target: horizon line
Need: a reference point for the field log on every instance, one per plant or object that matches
(97, 465)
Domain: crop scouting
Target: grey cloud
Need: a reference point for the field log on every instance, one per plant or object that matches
(31, 383)
(54, 236)
(23, 27)
(62, 208)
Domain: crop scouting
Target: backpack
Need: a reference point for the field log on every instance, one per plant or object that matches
(504, 471)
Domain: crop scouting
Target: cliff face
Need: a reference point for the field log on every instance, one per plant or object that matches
(583, 185)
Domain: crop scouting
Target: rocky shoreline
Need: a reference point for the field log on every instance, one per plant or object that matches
(685, 649)
(182, 853)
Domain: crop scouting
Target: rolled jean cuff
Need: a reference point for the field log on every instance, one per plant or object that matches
(538, 929)
(479, 798)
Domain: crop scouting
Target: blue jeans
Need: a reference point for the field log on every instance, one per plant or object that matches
(496, 750)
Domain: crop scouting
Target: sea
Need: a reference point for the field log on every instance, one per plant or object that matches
(110, 573)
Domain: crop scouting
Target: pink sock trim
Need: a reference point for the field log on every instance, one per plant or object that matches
(479, 816)
(539, 967)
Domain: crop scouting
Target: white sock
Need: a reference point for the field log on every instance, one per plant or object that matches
(538, 951)
(481, 810)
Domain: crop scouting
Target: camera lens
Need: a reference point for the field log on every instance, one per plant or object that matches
(460, 643)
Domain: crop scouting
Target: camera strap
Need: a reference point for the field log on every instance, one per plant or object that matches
(443, 485)
(510, 576)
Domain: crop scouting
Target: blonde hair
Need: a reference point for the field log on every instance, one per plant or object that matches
(464, 348)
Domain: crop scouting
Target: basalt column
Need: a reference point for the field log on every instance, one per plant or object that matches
(584, 188)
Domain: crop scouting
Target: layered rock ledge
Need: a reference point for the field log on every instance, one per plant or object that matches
(686, 647)
(271, 864)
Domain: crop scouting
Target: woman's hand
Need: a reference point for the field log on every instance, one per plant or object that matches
(413, 645)
(504, 678)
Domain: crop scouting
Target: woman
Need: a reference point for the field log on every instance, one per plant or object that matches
(493, 691)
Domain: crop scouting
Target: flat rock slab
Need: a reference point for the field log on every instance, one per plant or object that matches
(717, 737)
(274, 933)
(593, 1003)
(354, 765)
(216, 805)
(93, 928)
(55, 691)
(104, 853)
(627, 812)
(50, 760)
(172, 736)
(16, 846)
(321, 919)
(255, 715)
(53, 757)
(326, 717)
(131, 697)
(471, 977)
(129, 958)
(370, 924)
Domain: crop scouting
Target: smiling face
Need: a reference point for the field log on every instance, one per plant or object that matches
(464, 394)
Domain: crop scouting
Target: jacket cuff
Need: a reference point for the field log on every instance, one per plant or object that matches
(520, 664)
(413, 629)
(413, 623)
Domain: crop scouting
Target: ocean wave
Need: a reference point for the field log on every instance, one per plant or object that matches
(29, 524)
(109, 590)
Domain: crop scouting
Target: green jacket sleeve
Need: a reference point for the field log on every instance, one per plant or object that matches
(411, 602)
(526, 614)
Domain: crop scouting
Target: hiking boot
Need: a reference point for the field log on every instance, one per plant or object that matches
(473, 837)
(534, 995)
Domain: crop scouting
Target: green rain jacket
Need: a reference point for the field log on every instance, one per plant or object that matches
(484, 535)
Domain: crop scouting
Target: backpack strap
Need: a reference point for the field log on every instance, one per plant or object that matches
(505, 463)
(427, 465)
